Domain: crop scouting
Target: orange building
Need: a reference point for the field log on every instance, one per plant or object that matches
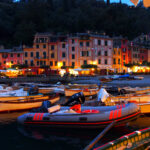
(117, 61)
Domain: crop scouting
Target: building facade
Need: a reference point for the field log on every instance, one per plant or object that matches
(70, 50)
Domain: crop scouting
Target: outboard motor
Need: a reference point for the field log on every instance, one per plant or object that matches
(33, 90)
(77, 98)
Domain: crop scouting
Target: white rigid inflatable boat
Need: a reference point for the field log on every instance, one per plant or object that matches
(78, 116)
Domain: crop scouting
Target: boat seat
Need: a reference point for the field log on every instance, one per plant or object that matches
(90, 111)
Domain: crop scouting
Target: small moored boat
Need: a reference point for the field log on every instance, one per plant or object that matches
(26, 104)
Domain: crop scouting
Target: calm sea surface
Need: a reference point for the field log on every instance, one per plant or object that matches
(15, 137)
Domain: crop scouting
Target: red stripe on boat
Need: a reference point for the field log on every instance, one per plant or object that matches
(41, 117)
(38, 116)
(119, 113)
(34, 118)
(111, 115)
(115, 114)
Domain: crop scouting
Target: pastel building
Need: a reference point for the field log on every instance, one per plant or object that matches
(9, 57)
(70, 50)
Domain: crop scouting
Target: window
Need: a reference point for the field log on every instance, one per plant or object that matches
(81, 44)
(106, 53)
(44, 62)
(31, 54)
(52, 47)
(44, 54)
(63, 54)
(52, 55)
(37, 46)
(37, 63)
(114, 61)
(32, 63)
(4, 62)
(99, 53)
(106, 43)
(11, 55)
(87, 44)
(64, 45)
(114, 52)
(55, 63)
(44, 45)
(73, 56)
(12, 62)
(124, 49)
(118, 61)
(99, 61)
(85, 62)
(73, 64)
(99, 42)
(51, 63)
(72, 41)
(18, 55)
(142, 57)
(118, 52)
(18, 62)
(64, 63)
(37, 54)
(73, 48)
(105, 61)
(5, 55)
(26, 54)
(26, 62)
(124, 57)
(41, 63)
(87, 53)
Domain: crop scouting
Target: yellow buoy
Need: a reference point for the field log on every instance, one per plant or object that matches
(146, 3)
(135, 2)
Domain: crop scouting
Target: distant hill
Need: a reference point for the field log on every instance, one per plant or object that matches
(20, 21)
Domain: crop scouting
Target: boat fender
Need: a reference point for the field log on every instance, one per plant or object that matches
(54, 109)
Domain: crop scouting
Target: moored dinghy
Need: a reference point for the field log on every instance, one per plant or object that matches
(82, 117)
(26, 104)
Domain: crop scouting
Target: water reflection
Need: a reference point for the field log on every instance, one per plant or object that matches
(20, 137)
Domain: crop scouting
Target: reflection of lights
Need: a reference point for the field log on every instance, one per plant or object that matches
(92, 69)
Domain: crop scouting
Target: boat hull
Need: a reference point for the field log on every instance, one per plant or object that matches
(89, 92)
(25, 105)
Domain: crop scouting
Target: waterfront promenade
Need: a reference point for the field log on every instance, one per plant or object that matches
(56, 78)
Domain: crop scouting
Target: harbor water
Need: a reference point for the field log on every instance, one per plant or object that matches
(16, 137)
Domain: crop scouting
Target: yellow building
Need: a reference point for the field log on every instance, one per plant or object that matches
(117, 64)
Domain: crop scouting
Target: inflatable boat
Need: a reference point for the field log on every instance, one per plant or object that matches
(77, 116)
